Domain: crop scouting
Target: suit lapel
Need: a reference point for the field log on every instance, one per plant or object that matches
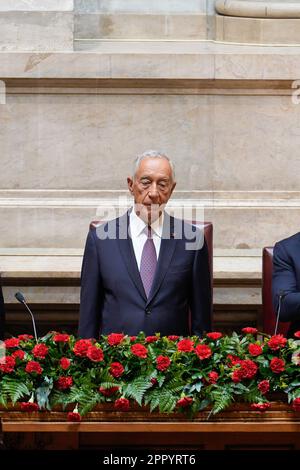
(127, 252)
(167, 248)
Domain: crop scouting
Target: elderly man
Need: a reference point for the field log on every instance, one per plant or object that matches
(141, 272)
(286, 281)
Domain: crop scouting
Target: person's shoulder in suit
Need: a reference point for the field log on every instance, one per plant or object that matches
(289, 244)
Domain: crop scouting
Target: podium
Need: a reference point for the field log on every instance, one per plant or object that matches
(237, 428)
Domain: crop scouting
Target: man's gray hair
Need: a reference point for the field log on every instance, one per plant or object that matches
(152, 154)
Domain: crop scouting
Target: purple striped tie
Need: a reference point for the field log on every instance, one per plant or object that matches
(148, 262)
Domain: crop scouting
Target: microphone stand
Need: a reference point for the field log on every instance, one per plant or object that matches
(282, 294)
(20, 297)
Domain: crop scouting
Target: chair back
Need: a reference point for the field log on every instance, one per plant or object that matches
(268, 313)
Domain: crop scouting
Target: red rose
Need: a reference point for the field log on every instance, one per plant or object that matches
(116, 369)
(233, 360)
(81, 347)
(115, 338)
(154, 381)
(25, 337)
(108, 392)
(260, 406)
(249, 330)
(132, 339)
(277, 342)
(297, 334)
(139, 350)
(247, 370)
(18, 354)
(173, 337)
(237, 375)
(162, 363)
(122, 404)
(255, 349)
(61, 338)
(95, 354)
(40, 351)
(29, 406)
(277, 365)
(185, 345)
(12, 343)
(213, 377)
(203, 351)
(63, 383)
(214, 335)
(64, 363)
(151, 339)
(33, 366)
(296, 404)
(184, 402)
(7, 364)
(264, 386)
(73, 416)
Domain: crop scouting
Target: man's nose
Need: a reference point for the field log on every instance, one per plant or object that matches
(153, 193)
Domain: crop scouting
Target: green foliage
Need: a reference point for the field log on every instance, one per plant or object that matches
(188, 376)
(13, 390)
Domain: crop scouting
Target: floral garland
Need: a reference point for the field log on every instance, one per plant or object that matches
(171, 374)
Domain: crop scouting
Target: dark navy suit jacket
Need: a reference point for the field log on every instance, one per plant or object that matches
(286, 279)
(112, 293)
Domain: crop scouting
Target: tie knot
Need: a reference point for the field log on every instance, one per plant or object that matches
(149, 231)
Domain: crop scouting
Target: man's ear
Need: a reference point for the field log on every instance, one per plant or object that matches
(130, 184)
(173, 187)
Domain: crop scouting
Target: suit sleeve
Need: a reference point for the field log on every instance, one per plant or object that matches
(201, 293)
(284, 280)
(91, 293)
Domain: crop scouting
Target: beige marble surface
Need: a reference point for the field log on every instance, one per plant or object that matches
(259, 9)
(160, 60)
(36, 31)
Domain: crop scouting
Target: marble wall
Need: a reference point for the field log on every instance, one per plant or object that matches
(65, 158)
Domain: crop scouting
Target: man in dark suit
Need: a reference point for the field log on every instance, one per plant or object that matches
(145, 271)
(286, 281)
(2, 314)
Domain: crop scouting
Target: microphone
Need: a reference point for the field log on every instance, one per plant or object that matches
(20, 297)
(281, 294)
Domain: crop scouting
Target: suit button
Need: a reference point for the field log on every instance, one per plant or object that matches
(148, 311)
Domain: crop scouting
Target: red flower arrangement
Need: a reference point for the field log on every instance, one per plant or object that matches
(175, 373)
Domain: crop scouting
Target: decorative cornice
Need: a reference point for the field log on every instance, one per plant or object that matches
(252, 9)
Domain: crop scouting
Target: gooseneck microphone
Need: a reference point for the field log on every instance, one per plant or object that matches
(20, 297)
(281, 295)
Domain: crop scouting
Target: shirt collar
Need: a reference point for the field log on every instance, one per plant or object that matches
(137, 225)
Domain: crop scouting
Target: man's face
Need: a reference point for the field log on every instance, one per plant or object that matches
(151, 188)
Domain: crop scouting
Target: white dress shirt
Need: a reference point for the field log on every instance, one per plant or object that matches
(137, 232)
